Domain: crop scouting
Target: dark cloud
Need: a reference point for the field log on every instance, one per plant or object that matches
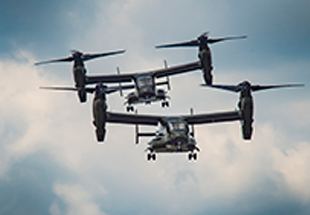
(42, 27)
(30, 22)
(27, 188)
(277, 31)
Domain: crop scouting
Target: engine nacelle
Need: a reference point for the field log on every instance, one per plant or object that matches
(79, 78)
(82, 95)
(246, 107)
(100, 115)
(206, 63)
(247, 129)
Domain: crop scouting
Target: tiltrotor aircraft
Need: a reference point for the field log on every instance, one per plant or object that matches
(246, 101)
(173, 134)
(145, 85)
(204, 51)
(79, 70)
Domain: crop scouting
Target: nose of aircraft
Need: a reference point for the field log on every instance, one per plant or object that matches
(146, 91)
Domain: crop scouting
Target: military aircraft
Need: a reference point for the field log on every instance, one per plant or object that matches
(246, 101)
(204, 51)
(173, 135)
(79, 70)
(145, 85)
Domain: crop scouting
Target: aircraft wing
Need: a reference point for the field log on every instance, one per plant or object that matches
(223, 87)
(109, 78)
(156, 73)
(177, 69)
(214, 117)
(132, 119)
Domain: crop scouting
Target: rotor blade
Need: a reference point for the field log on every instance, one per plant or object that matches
(86, 57)
(225, 38)
(265, 87)
(189, 43)
(60, 88)
(232, 88)
(87, 89)
(68, 59)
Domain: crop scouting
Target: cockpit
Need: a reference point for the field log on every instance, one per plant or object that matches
(177, 125)
(145, 81)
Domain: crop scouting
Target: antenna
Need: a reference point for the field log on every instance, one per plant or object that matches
(167, 77)
(120, 85)
(193, 131)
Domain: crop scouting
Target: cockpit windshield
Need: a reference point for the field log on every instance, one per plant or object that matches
(144, 81)
(177, 125)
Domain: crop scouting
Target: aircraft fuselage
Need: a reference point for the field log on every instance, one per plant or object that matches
(146, 91)
(173, 137)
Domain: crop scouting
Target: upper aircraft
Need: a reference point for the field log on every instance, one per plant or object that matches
(145, 85)
(79, 70)
(204, 51)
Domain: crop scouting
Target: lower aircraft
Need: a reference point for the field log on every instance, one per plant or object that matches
(173, 135)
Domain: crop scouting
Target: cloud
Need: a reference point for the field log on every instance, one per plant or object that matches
(292, 164)
(77, 199)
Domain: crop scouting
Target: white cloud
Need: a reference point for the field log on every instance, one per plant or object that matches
(293, 165)
(300, 110)
(77, 200)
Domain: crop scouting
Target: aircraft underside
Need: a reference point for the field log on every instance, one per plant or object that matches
(173, 148)
(134, 100)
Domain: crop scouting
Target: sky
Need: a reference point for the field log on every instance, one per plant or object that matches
(50, 161)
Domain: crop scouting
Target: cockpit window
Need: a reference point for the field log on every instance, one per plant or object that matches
(144, 81)
(177, 125)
